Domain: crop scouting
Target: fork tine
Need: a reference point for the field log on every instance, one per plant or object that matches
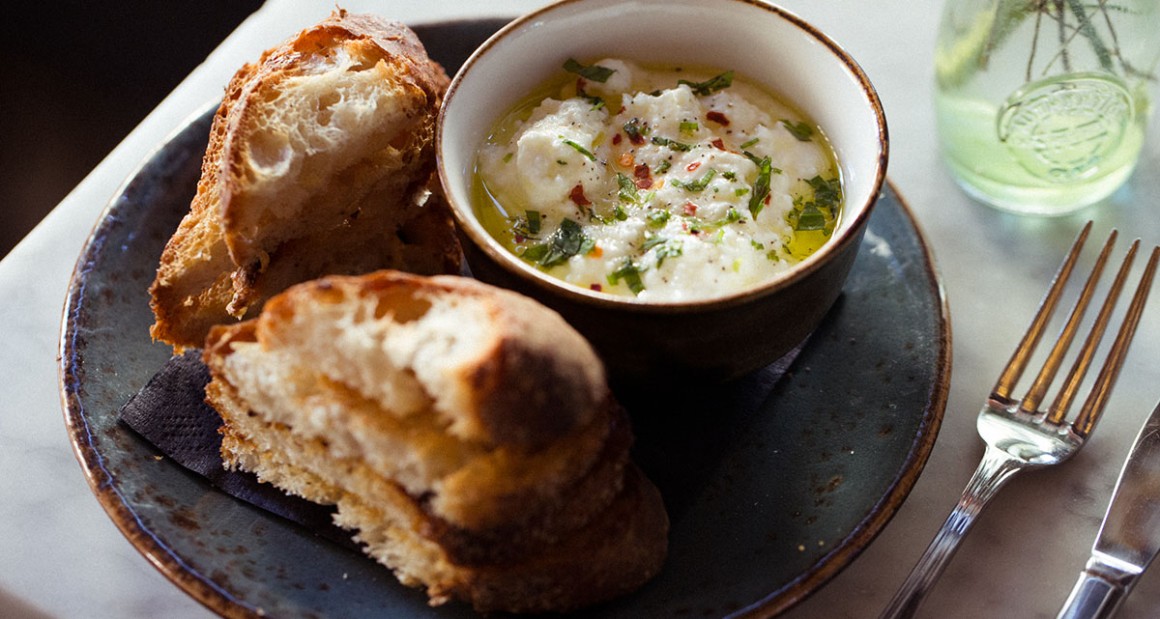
(1026, 346)
(1083, 360)
(1043, 380)
(1093, 406)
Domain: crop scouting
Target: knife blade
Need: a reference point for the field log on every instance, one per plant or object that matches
(1129, 537)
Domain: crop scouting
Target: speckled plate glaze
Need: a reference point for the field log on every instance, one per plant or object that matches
(772, 487)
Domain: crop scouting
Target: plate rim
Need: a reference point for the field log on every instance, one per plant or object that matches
(859, 539)
(77, 424)
(220, 601)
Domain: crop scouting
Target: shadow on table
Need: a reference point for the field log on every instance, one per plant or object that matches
(12, 607)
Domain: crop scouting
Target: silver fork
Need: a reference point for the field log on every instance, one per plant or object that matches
(1018, 435)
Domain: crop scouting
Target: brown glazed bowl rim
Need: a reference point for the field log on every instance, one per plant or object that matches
(846, 233)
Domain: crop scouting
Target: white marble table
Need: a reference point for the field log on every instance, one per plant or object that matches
(60, 556)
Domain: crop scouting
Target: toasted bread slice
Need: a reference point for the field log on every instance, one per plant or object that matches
(466, 432)
(320, 161)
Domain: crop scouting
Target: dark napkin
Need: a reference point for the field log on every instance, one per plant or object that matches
(677, 436)
(170, 412)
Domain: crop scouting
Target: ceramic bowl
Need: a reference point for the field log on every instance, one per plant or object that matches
(707, 340)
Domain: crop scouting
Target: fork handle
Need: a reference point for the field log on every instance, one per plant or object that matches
(994, 470)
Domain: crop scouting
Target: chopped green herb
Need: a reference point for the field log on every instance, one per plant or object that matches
(659, 141)
(527, 226)
(811, 218)
(630, 273)
(658, 218)
(663, 167)
(817, 213)
(710, 85)
(668, 250)
(662, 248)
(700, 225)
(749, 143)
(729, 175)
(508, 157)
(756, 245)
(740, 191)
(578, 148)
(757, 161)
(689, 127)
(827, 193)
(596, 102)
(596, 73)
(800, 130)
(619, 213)
(630, 193)
(568, 240)
(533, 219)
(699, 184)
(628, 189)
(536, 253)
(635, 131)
(652, 241)
(760, 187)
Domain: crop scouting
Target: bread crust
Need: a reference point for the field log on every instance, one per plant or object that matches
(401, 58)
(549, 518)
(534, 379)
(296, 183)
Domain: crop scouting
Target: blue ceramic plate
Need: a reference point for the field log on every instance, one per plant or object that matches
(772, 487)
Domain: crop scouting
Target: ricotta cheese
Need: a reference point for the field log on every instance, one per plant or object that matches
(664, 184)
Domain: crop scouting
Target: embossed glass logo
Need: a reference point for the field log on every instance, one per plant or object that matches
(1061, 128)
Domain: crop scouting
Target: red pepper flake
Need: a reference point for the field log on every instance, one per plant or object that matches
(519, 238)
(596, 287)
(616, 139)
(767, 199)
(719, 143)
(577, 196)
(718, 118)
(643, 176)
(690, 209)
(693, 166)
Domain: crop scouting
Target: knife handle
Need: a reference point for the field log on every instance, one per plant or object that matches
(1098, 592)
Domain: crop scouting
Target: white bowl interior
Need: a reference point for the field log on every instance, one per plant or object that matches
(762, 43)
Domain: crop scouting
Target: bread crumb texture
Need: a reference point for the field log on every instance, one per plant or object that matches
(466, 434)
(320, 161)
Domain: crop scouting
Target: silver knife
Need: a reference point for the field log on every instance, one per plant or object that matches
(1130, 535)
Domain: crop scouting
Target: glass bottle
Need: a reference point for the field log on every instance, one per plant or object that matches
(1042, 105)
